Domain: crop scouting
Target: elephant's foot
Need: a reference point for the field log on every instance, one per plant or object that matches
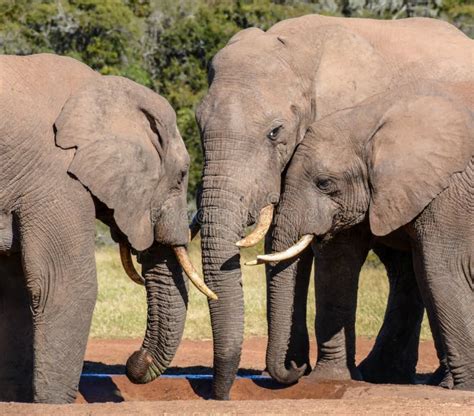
(219, 393)
(442, 377)
(15, 391)
(381, 368)
(63, 397)
(16, 332)
(224, 379)
(466, 386)
(329, 370)
(221, 396)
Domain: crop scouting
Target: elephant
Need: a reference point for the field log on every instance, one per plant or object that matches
(399, 167)
(265, 90)
(75, 146)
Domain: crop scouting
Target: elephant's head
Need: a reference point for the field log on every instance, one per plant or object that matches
(257, 109)
(382, 162)
(130, 156)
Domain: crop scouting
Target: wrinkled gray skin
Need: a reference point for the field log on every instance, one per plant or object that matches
(265, 89)
(75, 145)
(399, 167)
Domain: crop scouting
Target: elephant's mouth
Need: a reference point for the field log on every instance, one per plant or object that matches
(261, 229)
(182, 256)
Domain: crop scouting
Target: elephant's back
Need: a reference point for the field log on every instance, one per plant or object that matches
(37, 86)
(421, 47)
(33, 90)
(410, 29)
(415, 48)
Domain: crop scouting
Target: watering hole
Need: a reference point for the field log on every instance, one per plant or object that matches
(96, 388)
(190, 375)
(105, 390)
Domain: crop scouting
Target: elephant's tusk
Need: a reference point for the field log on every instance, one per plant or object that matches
(185, 262)
(289, 253)
(128, 266)
(264, 222)
(194, 227)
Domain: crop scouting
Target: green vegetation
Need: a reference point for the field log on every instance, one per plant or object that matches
(167, 44)
(121, 307)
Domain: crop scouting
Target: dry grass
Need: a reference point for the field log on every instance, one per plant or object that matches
(121, 307)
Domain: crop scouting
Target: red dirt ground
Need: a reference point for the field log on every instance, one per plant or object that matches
(183, 396)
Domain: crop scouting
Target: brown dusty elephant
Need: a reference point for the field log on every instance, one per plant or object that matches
(75, 146)
(400, 169)
(265, 89)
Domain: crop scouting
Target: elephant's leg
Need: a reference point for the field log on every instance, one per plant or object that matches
(450, 301)
(395, 354)
(57, 235)
(338, 265)
(443, 244)
(442, 377)
(16, 332)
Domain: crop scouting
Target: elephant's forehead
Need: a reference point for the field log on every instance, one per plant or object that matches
(237, 103)
(240, 108)
(321, 155)
(252, 58)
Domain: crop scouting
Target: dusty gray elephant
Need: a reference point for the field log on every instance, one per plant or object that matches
(265, 89)
(76, 145)
(400, 168)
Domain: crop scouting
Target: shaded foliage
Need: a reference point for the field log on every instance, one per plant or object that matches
(167, 44)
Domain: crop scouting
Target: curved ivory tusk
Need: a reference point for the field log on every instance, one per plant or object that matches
(264, 222)
(289, 253)
(185, 262)
(126, 258)
(194, 227)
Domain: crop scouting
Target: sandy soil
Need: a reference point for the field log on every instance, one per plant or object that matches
(115, 395)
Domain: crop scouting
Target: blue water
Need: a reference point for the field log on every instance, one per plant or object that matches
(186, 376)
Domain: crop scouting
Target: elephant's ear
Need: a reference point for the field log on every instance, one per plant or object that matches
(119, 130)
(420, 144)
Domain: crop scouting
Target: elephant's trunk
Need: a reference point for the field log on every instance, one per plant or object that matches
(287, 289)
(167, 300)
(224, 216)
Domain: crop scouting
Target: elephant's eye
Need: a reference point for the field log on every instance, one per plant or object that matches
(324, 184)
(274, 133)
(181, 176)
